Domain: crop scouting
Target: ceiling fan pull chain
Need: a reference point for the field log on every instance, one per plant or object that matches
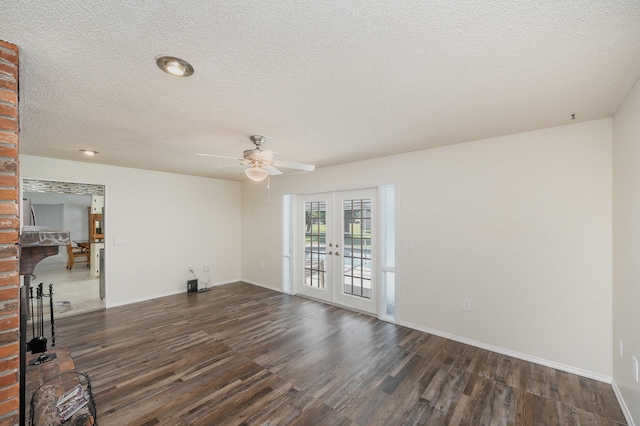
(269, 187)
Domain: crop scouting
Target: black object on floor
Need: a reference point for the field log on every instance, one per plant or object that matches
(33, 342)
(38, 344)
(42, 358)
(53, 329)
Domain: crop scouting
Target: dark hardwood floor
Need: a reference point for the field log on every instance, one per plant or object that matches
(241, 354)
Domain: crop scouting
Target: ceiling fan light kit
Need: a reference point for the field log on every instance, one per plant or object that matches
(256, 173)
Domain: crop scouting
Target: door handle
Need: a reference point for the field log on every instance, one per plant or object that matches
(337, 254)
(330, 252)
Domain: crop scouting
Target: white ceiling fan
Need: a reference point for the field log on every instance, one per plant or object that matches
(262, 161)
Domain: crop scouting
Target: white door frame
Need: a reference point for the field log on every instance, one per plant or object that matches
(319, 260)
(332, 256)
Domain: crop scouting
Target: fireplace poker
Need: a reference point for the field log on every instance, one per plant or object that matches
(42, 341)
(53, 329)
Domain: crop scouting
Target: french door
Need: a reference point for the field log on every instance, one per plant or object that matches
(338, 243)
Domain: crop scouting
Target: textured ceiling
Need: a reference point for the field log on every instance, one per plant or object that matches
(326, 82)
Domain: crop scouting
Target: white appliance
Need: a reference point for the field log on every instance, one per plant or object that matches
(28, 213)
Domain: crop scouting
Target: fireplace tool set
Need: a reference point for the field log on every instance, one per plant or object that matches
(38, 344)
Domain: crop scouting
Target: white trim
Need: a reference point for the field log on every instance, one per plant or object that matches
(567, 368)
(144, 299)
(373, 186)
(225, 283)
(514, 354)
(377, 224)
(105, 222)
(623, 405)
(398, 248)
(279, 290)
(340, 298)
(287, 212)
(169, 293)
(383, 268)
(299, 285)
(541, 361)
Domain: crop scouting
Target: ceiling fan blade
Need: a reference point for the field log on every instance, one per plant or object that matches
(273, 152)
(297, 166)
(227, 165)
(273, 171)
(219, 156)
(265, 154)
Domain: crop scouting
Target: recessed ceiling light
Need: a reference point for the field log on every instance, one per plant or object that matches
(88, 152)
(174, 66)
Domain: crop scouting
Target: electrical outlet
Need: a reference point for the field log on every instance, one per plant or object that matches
(205, 268)
(635, 368)
(191, 269)
(466, 304)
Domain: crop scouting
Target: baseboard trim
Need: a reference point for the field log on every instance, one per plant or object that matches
(623, 405)
(158, 296)
(221, 283)
(279, 290)
(471, 342)
(144, 299)
(562, 367)
(508, 352)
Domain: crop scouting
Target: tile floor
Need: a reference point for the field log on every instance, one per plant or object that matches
(74, 290)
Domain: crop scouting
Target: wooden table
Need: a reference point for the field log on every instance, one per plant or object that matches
(86, 246)
(83, 244)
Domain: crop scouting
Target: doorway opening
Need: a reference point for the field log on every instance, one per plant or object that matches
(78, 280)
(339, 248)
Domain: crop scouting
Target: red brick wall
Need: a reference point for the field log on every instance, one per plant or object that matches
(9, 228)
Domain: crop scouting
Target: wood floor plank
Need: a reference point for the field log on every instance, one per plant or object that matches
(610, 405)
(245, 355)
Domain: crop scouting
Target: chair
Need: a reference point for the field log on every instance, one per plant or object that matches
(74, 252)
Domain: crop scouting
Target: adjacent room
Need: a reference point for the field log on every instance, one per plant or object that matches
(300, 213)
(75, 269)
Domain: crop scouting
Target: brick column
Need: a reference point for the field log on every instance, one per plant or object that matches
(9, 229)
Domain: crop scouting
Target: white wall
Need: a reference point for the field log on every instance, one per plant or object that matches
(626, 247)
(169, 222)
(521, 224)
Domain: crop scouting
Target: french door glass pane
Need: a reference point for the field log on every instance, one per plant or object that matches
(390, 290)
(357, 248)
(315, 240)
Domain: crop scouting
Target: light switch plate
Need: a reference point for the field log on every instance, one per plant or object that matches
(620, 346)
